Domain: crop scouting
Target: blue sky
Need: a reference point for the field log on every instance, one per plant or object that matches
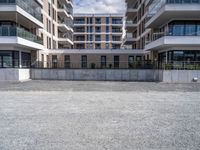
(99, 6)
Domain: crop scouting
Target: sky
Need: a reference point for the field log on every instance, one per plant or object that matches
(99, 6)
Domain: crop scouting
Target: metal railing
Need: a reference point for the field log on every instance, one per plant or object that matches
(30, 6)
(20, 32)
(159, 4)
(172, 65)
(158, 35)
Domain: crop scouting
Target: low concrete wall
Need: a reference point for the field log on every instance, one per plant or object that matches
(167, 76)
(11, 74)
(95, 74)
(179, 76)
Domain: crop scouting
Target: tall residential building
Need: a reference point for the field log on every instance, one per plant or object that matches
(28, 26)
(98, 31)
(135, 26)
(167, 30)
(175, 30)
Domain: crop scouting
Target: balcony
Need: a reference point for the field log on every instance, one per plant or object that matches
(117, 22)
(163, 12)
(64, 10)
(79, 22)
(130, 24)
(130, 38)
(65, 38)
(117, 31)
(17, 35)
(30, 9)
(65, 25)
(166, 40)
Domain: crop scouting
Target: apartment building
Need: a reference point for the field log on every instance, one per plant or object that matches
(175, 31)
(98, 31)
(28, 27)
(20, 21)
(168, 30)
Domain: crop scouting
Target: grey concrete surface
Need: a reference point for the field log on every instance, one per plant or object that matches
(14, 74)
(96, 74)
(61, 115)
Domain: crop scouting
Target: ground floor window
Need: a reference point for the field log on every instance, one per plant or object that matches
(116, 62)
(84, 61)
(180, 55)
(11, 59)
(180, 59)
(103, 62)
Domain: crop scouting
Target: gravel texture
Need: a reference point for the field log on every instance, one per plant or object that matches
(63, 115)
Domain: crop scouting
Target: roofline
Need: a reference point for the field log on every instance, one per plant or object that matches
(98, 15)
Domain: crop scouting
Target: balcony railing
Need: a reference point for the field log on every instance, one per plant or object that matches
(156, 6)
(66, 22)
(30, 6)
(116, 30)
(130, 22)
(68, 9)
(158, 35)
(79, 22)
(117, 22)
(19, 32)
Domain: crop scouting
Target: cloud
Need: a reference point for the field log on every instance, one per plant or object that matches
(99, 6)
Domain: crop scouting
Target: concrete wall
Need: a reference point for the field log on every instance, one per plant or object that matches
(11, 74)
(166, 76)
(96, 74)
(179, 76)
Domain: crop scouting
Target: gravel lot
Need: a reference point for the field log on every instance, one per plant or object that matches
(63, 115)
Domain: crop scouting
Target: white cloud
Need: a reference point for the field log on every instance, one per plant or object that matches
(99, 6)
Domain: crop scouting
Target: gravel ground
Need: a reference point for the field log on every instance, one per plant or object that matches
(63, 115)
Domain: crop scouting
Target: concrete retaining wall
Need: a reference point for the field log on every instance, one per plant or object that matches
(95, 74)
(179, 76)
(167, 76)
(11, 74)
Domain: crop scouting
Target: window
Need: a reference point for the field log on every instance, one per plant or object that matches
(107, 20)
(67, 61)
(190, 29)
(42, 60)
(98, 20)
(54, 61)
(107, 29)
(98, 29)
(49, 26)
(84, 61)
(103, 62)
(116, 62)
(107, 46)
(98, 46)
(107, 38)
(53, 29)
(49, 9)
(98, 38)
(131, 61)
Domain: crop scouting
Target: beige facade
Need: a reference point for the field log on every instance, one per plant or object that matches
(58, 24)
(92, 59)
(98, 31)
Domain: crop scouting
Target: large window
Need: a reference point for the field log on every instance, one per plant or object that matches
(184, 28)
(67, 61)
(10, 59)
(103, 62)
(116, 62)
(180, 55)
(84, 61)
